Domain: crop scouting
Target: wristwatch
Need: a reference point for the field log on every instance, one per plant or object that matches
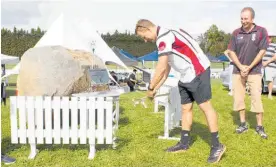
(150, 88)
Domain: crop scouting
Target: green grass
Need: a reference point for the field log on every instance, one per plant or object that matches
(218, 65)
(138, 145)
(149, 64)
(10, 66)
(12, 79)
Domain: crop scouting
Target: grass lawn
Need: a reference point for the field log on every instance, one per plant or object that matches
(149, 64)
(138, 143)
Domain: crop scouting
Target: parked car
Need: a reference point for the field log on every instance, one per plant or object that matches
(225, 77)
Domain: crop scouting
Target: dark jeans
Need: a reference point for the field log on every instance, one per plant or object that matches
(3, 94)
(131, 85)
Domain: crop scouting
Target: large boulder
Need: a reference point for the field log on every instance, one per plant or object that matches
(54, 71)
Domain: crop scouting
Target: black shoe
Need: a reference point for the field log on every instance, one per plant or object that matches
(179, 147)
(216, 153)
(7, 160)
(260, 130)
(242, 129)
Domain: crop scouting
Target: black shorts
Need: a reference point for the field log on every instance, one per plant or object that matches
(199, 89)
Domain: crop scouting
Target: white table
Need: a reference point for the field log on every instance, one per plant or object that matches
(114, 93)
(172, 105)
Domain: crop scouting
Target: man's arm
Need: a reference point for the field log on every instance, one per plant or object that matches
(168, 69)
(257, 59)
(132, 80)
(235, 60)
(226, 52)
(263, 45)
(265, 63)
(273, 58)
(232, 48)
(160, 70)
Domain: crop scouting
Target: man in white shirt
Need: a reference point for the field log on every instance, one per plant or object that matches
(177, 49)
(269, 62)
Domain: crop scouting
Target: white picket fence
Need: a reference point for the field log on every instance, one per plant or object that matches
(63, 120)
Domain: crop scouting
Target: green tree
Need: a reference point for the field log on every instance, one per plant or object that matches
(17, 42)
(202, 39)
(274, 39)
(214, 41)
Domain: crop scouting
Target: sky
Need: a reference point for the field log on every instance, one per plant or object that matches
(108, 15)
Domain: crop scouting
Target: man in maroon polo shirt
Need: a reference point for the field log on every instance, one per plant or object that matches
(247, 48)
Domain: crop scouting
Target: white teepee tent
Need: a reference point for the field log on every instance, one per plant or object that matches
(78, 33)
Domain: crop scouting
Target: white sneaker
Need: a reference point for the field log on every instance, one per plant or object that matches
(270, 97)
(230, 93)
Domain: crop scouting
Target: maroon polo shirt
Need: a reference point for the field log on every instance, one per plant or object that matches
(247, 45)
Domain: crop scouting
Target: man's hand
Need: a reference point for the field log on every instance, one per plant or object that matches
(133, 80)
(160, 70)
(151, 93)
(265, 63)
(244, 70)
(242, 67)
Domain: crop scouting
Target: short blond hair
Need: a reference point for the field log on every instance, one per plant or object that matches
(143, 24)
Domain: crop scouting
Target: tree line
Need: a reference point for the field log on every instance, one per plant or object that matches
(17, 41)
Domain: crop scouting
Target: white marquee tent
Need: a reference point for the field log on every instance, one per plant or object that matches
(78, 33)
(5, 59)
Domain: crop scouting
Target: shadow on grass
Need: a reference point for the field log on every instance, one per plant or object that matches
(10, 92)
(12, 84)
(225, 89)
(235, 117)
(250, 118)
(198, 131)
(123, 120)
(122, 110)
(7, 146)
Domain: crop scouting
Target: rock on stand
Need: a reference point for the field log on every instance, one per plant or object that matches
(54, 71)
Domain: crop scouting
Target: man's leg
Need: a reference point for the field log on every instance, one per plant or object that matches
(239, 84)
(259, 118)
(270, 87)
(242, 116)
(210, 115)
(231, 67)
(187, 120)
(217, 148)
(202, 95)
(4, 100)
(255, 85)
(187, 116)
(131, 88)
(269, 72)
